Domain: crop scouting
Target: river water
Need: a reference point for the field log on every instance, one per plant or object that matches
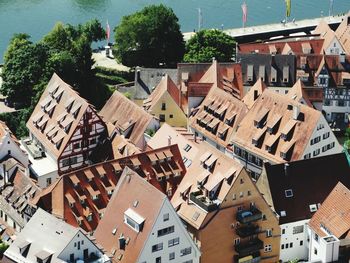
(37, 17)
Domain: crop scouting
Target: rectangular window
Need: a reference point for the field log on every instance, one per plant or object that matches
(326, 135)
(157, 247)
(269, 233)
(316, 152)
(282, 246)
(166, 217)
(172, 256)
(161, 117)
(288, 193)
(283, 231)
(185, 251)
(166, 231)
(173, 242)
(159, 260)
(301, 242)
(268, 248)
(237, 241)
(163, 106)
(298, 229)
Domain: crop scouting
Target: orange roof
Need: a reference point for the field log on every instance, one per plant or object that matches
(322, 28)
(253, 93)
(134, 194)
(334, 214)
(57, 99)
(100, 179)
(165, 85)
(283, 46)
(222, 174)
(298, 94)
(125, 114)
(123, 147)
(220, 112)
(275, 104)
(343, 33)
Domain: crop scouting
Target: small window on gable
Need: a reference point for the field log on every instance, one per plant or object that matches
(313, 208)
(289, 193)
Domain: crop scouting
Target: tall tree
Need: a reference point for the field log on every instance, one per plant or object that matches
(150, 37)
(209, 44)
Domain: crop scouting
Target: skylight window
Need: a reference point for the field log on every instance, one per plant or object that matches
(313, 208)
(187, 147)
(288, 193)
(283, 213)
(195, 216)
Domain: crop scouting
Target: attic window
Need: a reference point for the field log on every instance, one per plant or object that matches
(273, 74)
(133, 220)
(250, 73)
(313, 208)
(283, 213)
(288, 193)
(285, 74)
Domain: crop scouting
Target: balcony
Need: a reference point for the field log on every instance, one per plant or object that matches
(254, 258)
(248, 216)
(247, 230)
(249, 248)
(203, 202)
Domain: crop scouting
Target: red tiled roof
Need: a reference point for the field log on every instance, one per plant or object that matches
(165, 173)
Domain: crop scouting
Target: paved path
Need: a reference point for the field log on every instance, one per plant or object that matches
(103, 61)
(239, 32)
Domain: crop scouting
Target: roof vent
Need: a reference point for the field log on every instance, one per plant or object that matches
(136, 203)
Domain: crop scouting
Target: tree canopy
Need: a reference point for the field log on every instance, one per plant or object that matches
(149, 38)
(209, 44)
(65, 50)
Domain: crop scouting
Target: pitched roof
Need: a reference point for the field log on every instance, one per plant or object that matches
(17, 190)
(284, 46)
(275, 111)
(162, 167)
(218, 115)
(322, 28)
(165, 85)
(334, 214)
(253, 93)
(297, 93)
(343, 33)
(125, 114)
(213, 170)
(40, 229)
(57, 115)
(335, 69)
(276, 70)
(123, 147)
(131, 189)
(226, 76)
(320, 174)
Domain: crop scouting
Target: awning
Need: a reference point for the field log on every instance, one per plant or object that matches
(287, 146)
(135, 161)
(68, 120)
(168, 153)
(261, 115)
(61, 116)
(51, 106)
(272, 140)
(288, 127)
(160, 155)
(76, 107)
(53, 131)
(152, 157)
(214, 123)
(275, 119)
(205, 156)
(43, 121)
(204, 174)
(116, 166)
(45, 101)
(69, 101)
(213, 181)
(58, 92)
(259, 134)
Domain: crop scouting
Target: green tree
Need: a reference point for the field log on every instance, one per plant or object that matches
(149, 38)
(24, 66)
(209, 44)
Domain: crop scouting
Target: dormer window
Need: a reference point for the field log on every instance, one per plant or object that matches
(273, 75)
(250, 76)
(285, 74)
(133, 220)
(260, 120)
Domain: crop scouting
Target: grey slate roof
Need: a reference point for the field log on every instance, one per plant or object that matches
(278, 62)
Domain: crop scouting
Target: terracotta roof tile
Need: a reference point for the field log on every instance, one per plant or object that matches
(334, 214)
(123, 114)
(277, 105)
(57, 92)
